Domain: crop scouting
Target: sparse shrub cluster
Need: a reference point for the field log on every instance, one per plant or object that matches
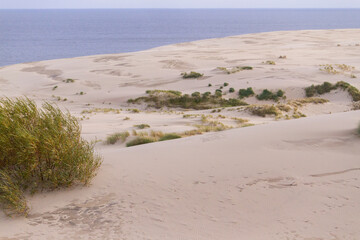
(192, 75)
(142, 126)
(301, 102)
(40, 149)
(263, 110)
(194, 101)
(139, 141)
(268, 95)
(270, 62)
(336, 69)
(327, 87)
(69, 80)
(234, 69)
(244, 93)
(115, 137)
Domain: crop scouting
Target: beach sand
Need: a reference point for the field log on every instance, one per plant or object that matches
(280, 179)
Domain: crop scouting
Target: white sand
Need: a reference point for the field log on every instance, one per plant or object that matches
(296, 179)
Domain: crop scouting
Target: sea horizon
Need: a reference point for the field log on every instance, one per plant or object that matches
(28, 36)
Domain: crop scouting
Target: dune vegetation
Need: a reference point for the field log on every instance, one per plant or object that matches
(327, 87)
(174, 99)
(41, 149)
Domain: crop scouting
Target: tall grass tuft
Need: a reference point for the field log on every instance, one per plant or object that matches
(41, 148)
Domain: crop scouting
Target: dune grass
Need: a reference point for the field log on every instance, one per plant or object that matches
(234, 69)
(263, 110)
(142, 126)
(41, 148)
(169, 136)
(197, 101)
(139, 141)
(115, 137)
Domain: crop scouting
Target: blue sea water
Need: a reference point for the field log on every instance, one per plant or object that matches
(33, 35)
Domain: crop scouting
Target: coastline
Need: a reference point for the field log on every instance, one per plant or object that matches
(278, 179)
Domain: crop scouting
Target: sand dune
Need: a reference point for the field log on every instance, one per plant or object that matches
(280, 179)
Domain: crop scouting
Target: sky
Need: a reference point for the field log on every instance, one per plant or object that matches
(44, 4)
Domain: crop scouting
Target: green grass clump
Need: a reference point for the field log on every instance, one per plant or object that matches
(264, 110)
(243, 93)
(139, 141)
(12, 198)
(192, 75)
(114, 138)
(169, 136)
(231, 90)
(41, 148)
(327, 87)
(226, 84)
(142, 126)
(268, 95)
(194, 101)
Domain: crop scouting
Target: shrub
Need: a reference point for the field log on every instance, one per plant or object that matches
(55, 87)
(196, 95)
(268, 95)
(12, 199)
(195, 101)
(142, 126)
(192, 75)
(113, 138)
(42, 148)
(231, 90)
(243, 93)
(326, 87)
(169, 136)
(209, 85)
(139, 141)
(264, 110)
(226, 84)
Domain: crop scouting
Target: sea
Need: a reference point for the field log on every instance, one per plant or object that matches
(34, 35)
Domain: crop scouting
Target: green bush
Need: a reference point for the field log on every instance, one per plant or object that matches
(113, 138)
(231, 90)
(226, 84)
(169, 136)
(327, 87)
(195, 101)
(12, 199)
(192, 75)
(139, 141)
(142, 126)
(42, 148)
(243, 93)
(268, 95)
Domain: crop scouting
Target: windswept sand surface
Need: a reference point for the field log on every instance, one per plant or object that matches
(285, 179)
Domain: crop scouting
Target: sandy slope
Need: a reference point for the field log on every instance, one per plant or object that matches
(293, 179)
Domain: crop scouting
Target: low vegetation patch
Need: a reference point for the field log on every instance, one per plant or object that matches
(101, 110)
(327, 87)
(270, 62)
(263, 110)
(194, 101)
(114, 138)
(234, 69)
(139, 141)
(41, 149)
(192, 75)
(336, 68)
(142, 126)
(244, 93)
(69, 80)
(304, 101)
(268, 95)
(169, 136)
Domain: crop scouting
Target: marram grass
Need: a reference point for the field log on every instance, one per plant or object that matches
(40, 148)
